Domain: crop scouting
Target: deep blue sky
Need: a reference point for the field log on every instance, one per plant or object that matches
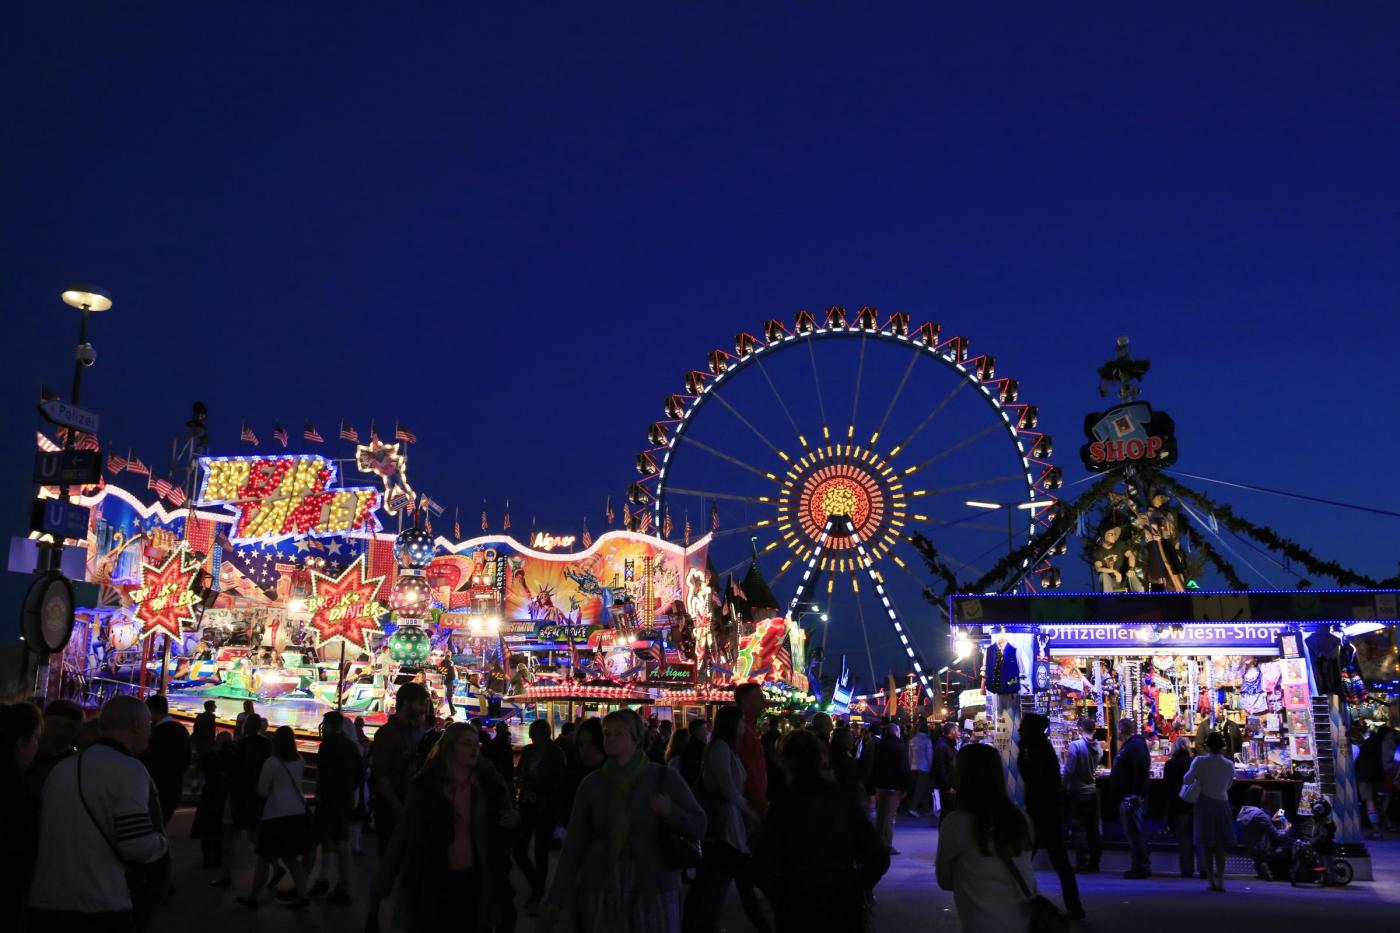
(515, 229)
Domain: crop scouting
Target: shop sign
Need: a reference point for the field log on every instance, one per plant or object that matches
(523, 627)
(1090, 637)
(1128, 435)
(671, 673)
(544, 541)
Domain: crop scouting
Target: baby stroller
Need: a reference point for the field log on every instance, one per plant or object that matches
(1314, 859)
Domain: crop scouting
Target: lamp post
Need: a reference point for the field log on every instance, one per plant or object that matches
(1010, 508)
(86, 299)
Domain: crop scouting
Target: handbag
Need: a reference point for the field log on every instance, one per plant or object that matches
(1045, 916)
(1190, 792)
(679, 850)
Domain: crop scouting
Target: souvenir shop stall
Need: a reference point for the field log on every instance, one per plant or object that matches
(1270, 670)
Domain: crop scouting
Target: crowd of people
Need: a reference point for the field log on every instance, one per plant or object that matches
(659, 821)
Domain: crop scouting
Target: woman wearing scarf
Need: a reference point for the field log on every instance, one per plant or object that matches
(450, 854)
(612, 875)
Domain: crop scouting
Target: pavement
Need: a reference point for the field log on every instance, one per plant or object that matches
(907, 899)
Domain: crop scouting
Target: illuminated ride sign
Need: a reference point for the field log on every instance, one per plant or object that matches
(344, 608)
(286, 496)
(166, 598)
(544, 541)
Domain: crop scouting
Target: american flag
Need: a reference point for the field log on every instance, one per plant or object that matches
(348, 433)
(737, 589)
(483, 516)
(134, 465)
(402, 433)
(163, 487)
(428, 524)
(714, 516)
(398, 500)
(115, 463)
(373, 435)
(646, 522)
(279, 434)
(666, 525)
(626, 516)
(587, 538)
(456, 525)
(259, 565)
(247, 436)
(687, 529)
(505, 522)
(176, 495)
(608, 512)
(311, 434)
(86, 442)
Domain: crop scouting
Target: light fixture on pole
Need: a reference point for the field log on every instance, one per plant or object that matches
(87, 299)
(1010, 508)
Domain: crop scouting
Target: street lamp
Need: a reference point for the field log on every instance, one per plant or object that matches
(87, 299)
(1010, 508)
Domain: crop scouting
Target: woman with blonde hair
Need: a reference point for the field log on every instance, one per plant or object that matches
(612, 874)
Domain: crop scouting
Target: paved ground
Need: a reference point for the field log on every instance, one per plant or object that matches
(908, 899)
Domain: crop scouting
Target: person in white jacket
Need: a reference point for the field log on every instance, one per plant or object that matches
(99, 816)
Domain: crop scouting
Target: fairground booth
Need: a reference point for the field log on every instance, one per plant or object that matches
(275, 585)
(1279, 673)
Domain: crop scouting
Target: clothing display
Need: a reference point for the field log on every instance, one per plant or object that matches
(1002, 672)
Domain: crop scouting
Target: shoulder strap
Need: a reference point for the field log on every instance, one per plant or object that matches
(1016, 873)
(92, 816)
(293, 781)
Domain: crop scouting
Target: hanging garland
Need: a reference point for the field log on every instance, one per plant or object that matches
(1272, 540)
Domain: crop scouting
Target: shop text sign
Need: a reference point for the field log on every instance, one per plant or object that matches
(1180, 636)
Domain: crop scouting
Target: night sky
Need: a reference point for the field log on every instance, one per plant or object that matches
(515, 230)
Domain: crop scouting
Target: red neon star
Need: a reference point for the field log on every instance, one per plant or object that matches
(165, 600)
(344, 607)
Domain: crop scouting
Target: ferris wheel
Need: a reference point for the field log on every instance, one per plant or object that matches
(831, 443)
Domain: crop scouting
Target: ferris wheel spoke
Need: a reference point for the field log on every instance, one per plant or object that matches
(740, 529)
(899, 390)
(928, 419)
(781, 403)
(855, 399)
(960, 445)
(749, 424)
(816, 380)
(730, 458)
(707, 494)
(974, 484)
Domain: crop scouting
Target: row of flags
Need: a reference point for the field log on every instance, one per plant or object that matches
(348, 432)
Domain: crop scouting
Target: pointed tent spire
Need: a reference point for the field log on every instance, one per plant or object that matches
(756, 589)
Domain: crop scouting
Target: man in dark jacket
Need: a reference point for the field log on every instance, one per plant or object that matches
(339, 773)
(1045, 802)
(1129, 781)
(167, 758)
(540, 779)
(889, 772)
(945, 754)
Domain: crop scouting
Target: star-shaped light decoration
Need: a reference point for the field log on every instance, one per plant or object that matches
(344, 607)
(165, 600)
